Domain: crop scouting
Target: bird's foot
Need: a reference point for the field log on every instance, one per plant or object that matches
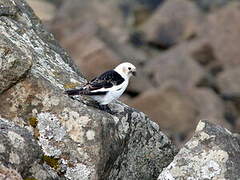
(106, 109)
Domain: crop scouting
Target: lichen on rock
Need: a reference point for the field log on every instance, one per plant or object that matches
(212, 153)
(51, 134)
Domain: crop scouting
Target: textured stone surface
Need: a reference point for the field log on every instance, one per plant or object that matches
(77, 140)
(9, 174)
(143, 135)
(18, 148)
(170, 108)
(14, 64)
(212, 153)
(172, 22)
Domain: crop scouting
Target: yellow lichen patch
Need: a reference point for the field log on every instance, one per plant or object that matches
(30, 178)
(70, 85)
(51, 161)
(33, 121)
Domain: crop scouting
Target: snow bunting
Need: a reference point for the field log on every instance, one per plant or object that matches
(108, 86)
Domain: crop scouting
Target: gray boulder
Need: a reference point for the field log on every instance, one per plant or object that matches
(18, 148)
(76, 140)
(212, 153)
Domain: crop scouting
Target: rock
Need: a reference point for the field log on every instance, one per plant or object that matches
(219, 29)
(77, 140)
(228, 81)
(106, 14)
(7, 8)
(93, 43)
(140, 83)
(94, 52)
(228, 84)
(172, 23)
(18, 148)
(90, 53)
(43, 9)
(176, 65)
(14, 64)
(212, 153)
(136, 12)
(209, 106)
(170, 108)
(138, 143)
(202, 51)
(9, 174)
(211, 5)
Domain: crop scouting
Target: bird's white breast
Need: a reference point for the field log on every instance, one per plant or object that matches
(113, 94)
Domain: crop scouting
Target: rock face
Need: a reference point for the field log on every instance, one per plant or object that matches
(9, 174)
(66, 138)
(169, 107)
(212, 153)
(18, 148)
(14, 64)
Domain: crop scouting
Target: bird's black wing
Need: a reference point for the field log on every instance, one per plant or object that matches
(104, 81)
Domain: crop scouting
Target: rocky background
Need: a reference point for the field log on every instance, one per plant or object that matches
(186, 53)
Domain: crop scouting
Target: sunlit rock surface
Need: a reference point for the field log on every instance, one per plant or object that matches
(212, 153)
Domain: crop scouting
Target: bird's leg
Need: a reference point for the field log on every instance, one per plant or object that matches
(105, 108)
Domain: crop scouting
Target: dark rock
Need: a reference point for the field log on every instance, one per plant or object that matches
(18, 148)
(7, 8)
(212, 153)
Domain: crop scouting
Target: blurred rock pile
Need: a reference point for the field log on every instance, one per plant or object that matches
(186, 51)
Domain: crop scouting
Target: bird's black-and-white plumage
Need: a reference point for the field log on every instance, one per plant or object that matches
(108, 86)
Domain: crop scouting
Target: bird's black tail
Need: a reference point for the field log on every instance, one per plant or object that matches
(73, 92)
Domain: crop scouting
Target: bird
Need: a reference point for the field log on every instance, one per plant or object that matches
(108, 86)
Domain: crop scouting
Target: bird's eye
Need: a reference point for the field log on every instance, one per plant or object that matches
(129, 68)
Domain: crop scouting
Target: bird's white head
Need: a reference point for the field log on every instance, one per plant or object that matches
(126, 69)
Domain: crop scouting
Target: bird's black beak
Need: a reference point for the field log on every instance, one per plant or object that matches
(134, 73)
